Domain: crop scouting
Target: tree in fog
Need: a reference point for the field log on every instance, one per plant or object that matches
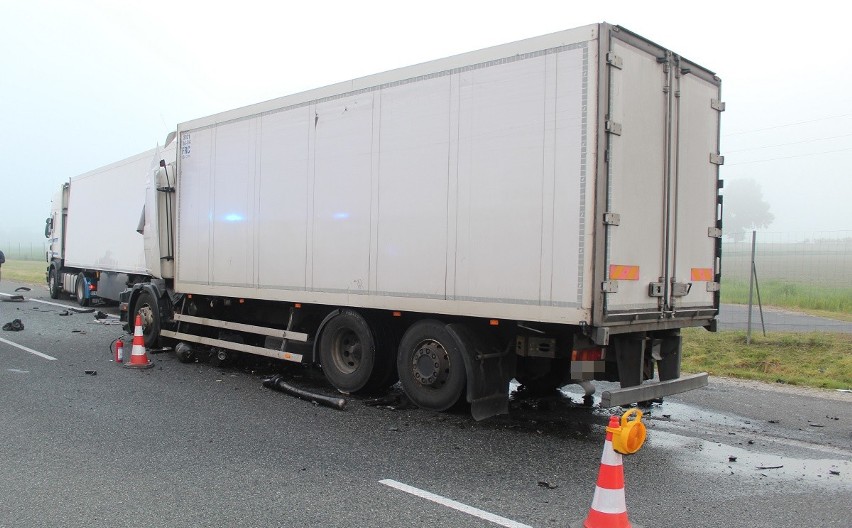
(745, 209)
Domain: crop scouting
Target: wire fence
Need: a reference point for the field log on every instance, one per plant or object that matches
(24, 250)
(793, 273)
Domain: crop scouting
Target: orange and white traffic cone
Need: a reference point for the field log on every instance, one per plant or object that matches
(609, 508)
(138, 354)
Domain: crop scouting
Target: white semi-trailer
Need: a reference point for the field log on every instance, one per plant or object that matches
(94, 251)
(547, 210)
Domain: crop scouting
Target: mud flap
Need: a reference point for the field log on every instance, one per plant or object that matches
(630, 356)
(669, 363)
(489, 370)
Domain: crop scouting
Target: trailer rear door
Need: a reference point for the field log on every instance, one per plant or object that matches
(661, 167)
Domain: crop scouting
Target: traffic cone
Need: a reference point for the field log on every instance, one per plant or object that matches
(609, 508)
(138, 354)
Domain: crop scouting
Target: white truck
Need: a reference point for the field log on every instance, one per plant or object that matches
(547, 210)
(94, 252)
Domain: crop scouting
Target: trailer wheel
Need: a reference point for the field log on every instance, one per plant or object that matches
(430, 365)
(53, 283)
(147, 308)
(80, 290)
(348, 353)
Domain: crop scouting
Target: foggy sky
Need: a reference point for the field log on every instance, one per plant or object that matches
(87, 83)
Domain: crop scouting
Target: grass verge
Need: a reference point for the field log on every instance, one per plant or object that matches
(812, 359)
(834, 302)
(29, 271)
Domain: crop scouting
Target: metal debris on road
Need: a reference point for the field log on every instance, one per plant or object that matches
(14, 326)
(277, 383)
(548, 485)
(22, 288)
(769, 467)
(92, 372)
(732, 459)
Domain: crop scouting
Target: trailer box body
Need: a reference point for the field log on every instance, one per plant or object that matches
(104, 207)
(95, 248)
(570, 178)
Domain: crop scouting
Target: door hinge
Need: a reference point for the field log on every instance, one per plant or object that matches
(716, 104)
(609, 287)
(613, 128)
(716, 159)
(655, 289)
(614, 60)
(712, 286)
(613, 219)
(714, 232)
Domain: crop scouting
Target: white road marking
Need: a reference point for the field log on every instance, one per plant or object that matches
(449, 503)
(66, 306)
(25, 349)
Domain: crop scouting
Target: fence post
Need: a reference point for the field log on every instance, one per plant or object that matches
(751, 286)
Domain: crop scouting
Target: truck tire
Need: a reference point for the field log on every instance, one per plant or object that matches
(80, 290)
(349, 355)
(148, 308)
(53, 283)
(430, 365)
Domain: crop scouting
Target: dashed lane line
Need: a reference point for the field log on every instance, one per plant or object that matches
(26, 349)
(449, 503)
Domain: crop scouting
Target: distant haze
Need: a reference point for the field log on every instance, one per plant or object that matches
(84, 84)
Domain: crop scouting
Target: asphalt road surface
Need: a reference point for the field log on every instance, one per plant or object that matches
(198, 445)
(735, 317)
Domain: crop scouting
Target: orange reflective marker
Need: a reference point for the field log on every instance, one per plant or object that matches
(702, 274)
(622, 272)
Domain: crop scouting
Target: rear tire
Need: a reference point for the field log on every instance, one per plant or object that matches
(80, 290)
(431, 366)
(348, 351)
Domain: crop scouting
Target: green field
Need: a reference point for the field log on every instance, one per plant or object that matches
(813, 359)
(29, 271)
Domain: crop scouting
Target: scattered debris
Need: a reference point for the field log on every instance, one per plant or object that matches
(92, 372)
(277, 383)
(14, 326)
(548, 485)
(100, 315)
(22, 288)
(832, 417)
(775, 421)
(816, 425)
(13, 298)
(834, 472)
(18, 371)
(394, 429)
(844, 390)
(769, 467)
(732, 459)
(78, 332)
(395, 401)
(750, 442)
(63, 313)
(82, 310)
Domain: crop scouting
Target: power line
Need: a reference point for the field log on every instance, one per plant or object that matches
(787, 157)
(787, 144)
(785, 125)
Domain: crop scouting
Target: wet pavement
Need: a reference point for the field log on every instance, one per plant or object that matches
(200, 445)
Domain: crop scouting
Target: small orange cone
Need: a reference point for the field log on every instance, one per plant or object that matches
(138, 354)
(609, 508)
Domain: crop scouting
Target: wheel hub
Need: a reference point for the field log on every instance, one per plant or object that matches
(431, 364)
(346, 351)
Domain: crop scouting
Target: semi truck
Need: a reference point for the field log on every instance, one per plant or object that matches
(94, 251)
(547, 210)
